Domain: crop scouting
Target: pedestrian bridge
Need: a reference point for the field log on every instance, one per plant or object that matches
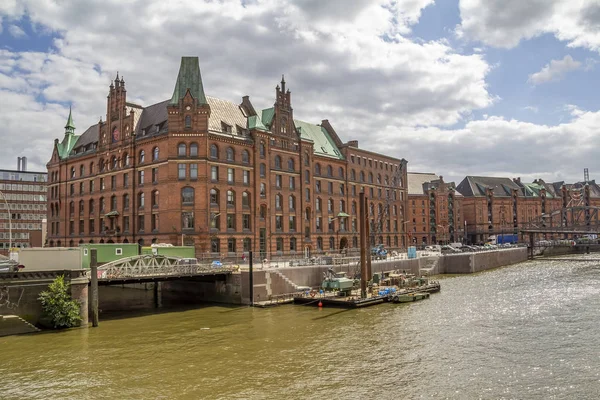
(152, 268)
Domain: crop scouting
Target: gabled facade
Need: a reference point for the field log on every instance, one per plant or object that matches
(435, 210)
(223, 177)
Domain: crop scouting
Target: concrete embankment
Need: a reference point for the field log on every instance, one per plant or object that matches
(276, 282)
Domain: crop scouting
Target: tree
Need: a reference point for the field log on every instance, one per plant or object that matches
(60, 310)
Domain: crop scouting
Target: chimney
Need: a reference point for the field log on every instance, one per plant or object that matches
(353, 143)
(23, 164)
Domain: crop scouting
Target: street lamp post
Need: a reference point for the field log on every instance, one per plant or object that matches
(9, 223)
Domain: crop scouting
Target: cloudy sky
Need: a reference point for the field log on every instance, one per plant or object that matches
(457, 87)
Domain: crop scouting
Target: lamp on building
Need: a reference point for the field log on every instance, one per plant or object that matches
(9, 223)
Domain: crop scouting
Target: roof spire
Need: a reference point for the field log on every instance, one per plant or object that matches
(117, 82)
(282, 83)
(70, 127)
(189, 78)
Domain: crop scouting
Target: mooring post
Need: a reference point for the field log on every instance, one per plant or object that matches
(94, 272)
(250, 278)
(368, 236)
(531, 246)
(363, 246)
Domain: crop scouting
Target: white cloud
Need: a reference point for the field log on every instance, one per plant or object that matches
(16, 31)
(504, 23)
(533, 109)
(333, 55)
(554, 71)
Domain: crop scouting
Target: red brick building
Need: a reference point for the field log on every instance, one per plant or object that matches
(223, 177)
(435, 210)
(23, 199)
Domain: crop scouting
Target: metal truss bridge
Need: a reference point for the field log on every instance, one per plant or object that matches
(150, 268)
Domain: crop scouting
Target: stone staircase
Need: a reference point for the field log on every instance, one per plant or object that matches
(14, 325)
(430, 266)
(289, 284)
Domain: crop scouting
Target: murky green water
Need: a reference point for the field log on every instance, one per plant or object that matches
(526, 332)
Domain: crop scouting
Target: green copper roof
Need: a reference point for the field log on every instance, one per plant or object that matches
(323, 143)
(189, 78)
(70, 127)
(267, 116)
(254, 122)
(69, 140)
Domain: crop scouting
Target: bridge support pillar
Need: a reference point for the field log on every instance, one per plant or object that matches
(587, 249)
(157, 295)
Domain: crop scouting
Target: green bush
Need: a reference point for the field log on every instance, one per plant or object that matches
(59, 309)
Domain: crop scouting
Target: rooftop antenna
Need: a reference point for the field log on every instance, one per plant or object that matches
(586, 175)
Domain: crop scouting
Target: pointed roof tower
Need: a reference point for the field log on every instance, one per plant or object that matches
(70, 126)
(189, 78)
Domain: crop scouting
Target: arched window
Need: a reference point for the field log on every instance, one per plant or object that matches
(187, 195)
(278, 201)
(91, 207)
(353, 207)
(263, 170)
(291, 164)
(126, 159)
(262, 149)
(81, 170)
(194, 150)
(102, 205)
(141, 200)
(263, 211)
(214, 197)
(352, 175)
(72, 172)
(362, 176)
(342, 206)
(306, 159)
(330, 205)
(341, 172)
(317, 169)
(102, 165)
(292, 203)
(214, 151)
(386, 180)
(91, 168)
(246, 199)
(125, 202)
(230, 154)
(113, 203)
(329, 170)
(263, 189)
(188, 121)
(81, 207)
(332, 243)
(142, 156)
(72, 208)
(370, 177)
(379, 179)
(181, 150)
(245, 157)
(155, 154)
(155, 199)
(277, 162)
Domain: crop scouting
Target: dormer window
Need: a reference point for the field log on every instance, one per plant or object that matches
(225, 127)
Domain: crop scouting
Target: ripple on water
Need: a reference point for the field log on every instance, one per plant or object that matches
(526, 331)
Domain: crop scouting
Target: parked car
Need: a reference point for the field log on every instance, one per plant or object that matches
(10, 266)
(216, 264)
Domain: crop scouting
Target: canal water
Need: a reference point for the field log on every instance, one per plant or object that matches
(529, 331)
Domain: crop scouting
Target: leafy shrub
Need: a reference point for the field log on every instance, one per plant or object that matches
(59, 309)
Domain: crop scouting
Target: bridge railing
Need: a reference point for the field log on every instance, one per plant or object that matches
(148, 266)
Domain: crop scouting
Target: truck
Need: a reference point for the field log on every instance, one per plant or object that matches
(501, 239)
